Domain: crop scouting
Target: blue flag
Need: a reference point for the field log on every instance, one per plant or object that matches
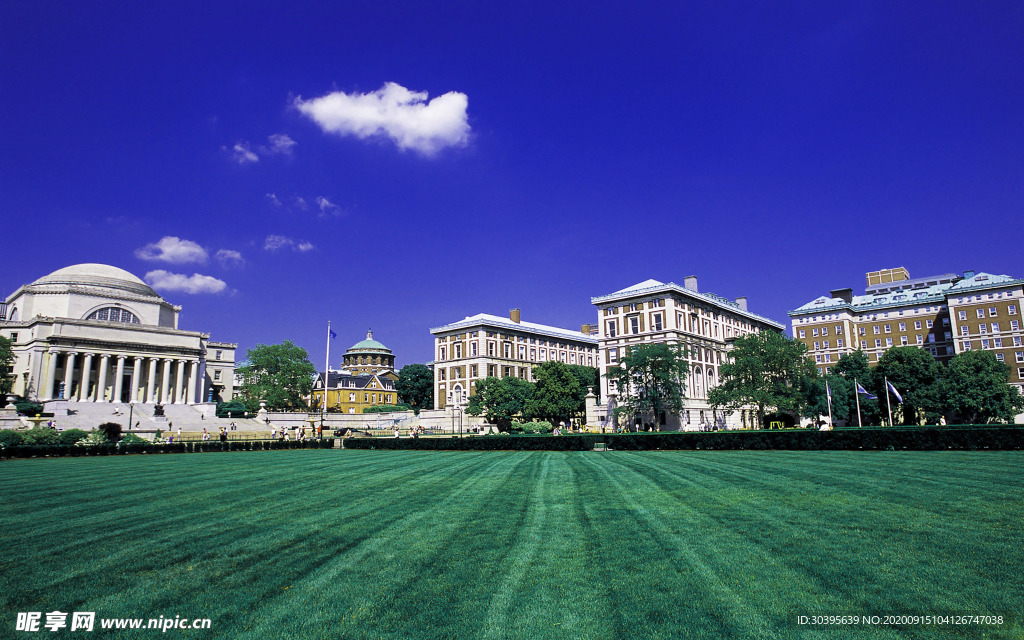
(864, 392)
(331, 331)
(896, 393)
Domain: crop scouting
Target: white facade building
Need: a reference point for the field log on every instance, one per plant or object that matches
(96, 333)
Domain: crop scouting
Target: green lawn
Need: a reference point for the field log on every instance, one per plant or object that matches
(370, 544)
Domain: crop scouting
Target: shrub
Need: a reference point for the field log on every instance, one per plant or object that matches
(10, 438)
(387, 408)
(111, 431)
(233, 409)
(533, 427)
(41, 436)
(71, 436)
(131, 438)
(27, 407)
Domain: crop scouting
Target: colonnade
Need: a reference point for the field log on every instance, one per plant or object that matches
(151, 377)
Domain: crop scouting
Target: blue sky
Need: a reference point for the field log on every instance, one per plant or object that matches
(293, 156)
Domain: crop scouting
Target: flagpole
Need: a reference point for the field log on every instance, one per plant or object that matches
(888, 400)
(828, 394)
(327, 369)
(856, 394)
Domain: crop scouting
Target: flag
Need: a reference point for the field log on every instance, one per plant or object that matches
(861, 390)
(828, 391)
(331, 331)
(896, 393)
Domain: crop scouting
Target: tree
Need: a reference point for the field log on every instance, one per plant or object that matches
(281, 374)
(415, 386)
(766, 370)
(560, 392)
(651, 381)
(976, 389)
(6, 362)
(501, 399)
(816, 402)
(914, 373)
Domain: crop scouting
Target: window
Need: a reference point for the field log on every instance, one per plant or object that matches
(997, 342)
(443, 356)
(888, 342)
(1011, 310)
(632, 306)
(814, 332)
(839, 343)
(985, 344)
(929, 324)
(963, 330)
(920, 339)
(999, 357)
(634, 324)
(828, 357)
(458, 350)
(817, 345)
(966, 345)
(217, 355)
(903, 326)
(1014, 325)
(508, 352)
(931, 337)
(863, 344)
(992, 312)
(888, 328)
(983, 328)
(522, 352)
(863, 331)
(803, 334)
(878, 343)
(1016, 341)
(876, 329)
(839, 330)
(533, 354)
(903, 341)
(995, 327)
(981, 313)
(1020, 356)
(824, 345)
(216, 375)
(613, 355)
(656, 322)
(917, 324)
(611, 329)
(114, 314)
(472, 370)
(963, 315)
(472, 349)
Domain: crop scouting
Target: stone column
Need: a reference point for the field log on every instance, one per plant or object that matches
(136, 371)
(69, 372)
(151, 382)
(83, 388)
(101, 381)
(165, 387)
(51, 374)
(118, 380)
(193, 371)
(179, 391)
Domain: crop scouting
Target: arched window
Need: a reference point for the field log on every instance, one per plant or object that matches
(114, 314)
(698, 377)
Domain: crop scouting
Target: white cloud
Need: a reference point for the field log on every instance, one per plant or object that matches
(280, 143)
(195, 283)
(300, 202)
(243, 155)
(174, 250)
(402, 115)
(274, 199)
(274, 242)
(327, 208)
(229, 258)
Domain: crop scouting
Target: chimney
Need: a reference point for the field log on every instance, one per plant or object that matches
(585, 329)
(513, 315)
(742, 302)
(690, 282)
(842, 294)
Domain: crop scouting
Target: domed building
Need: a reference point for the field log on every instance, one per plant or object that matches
(369, 357)
(93, 333)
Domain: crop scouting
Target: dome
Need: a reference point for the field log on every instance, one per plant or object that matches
(98, 275)
(368, 345)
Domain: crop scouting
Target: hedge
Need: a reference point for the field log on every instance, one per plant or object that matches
(913, 438)
(58, 450)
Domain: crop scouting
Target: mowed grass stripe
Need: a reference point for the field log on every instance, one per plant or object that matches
(366, 544)
(819, 533)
